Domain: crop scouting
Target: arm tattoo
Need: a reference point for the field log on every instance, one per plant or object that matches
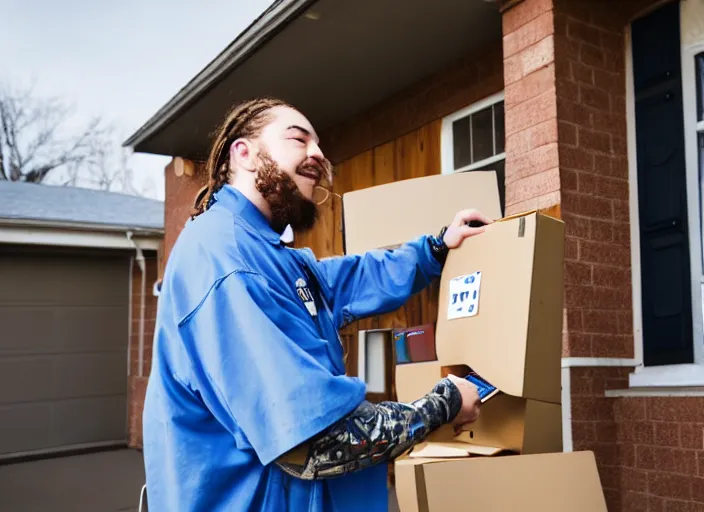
(374, 433)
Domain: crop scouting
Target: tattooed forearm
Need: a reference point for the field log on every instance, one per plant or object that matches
(373, 433)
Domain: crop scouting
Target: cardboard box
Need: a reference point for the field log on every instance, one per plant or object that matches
(509, 332)
(416, 380)
(505, 423)
(500, 306)
(555, 482)
(509, 423)
(414, 207)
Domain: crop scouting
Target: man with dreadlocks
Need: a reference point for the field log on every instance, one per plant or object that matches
(248, 406)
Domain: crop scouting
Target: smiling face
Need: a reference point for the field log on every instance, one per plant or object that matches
(278, 165)
(291, 142)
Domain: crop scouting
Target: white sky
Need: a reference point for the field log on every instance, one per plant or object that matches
(121, 60)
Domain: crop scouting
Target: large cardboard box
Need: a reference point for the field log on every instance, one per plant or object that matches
(554, 482)
(387, 216)
(500, 306)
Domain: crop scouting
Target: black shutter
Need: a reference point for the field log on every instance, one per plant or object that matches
(662, 192)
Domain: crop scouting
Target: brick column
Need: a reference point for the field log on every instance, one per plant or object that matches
(566, 129)
(532, 164)
(566, 148)
(591, 104)
(180, 192)
(137, 385)
(179, 196)
(566, 145)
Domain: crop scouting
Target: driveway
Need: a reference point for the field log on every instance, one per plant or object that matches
(97, 482)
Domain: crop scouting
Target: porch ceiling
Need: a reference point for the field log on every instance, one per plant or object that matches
(354, 55)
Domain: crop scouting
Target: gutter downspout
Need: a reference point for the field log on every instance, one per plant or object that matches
(129, 318)
(143, 270)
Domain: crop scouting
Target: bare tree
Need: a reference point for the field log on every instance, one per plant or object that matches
(106, 165)
(39, 140)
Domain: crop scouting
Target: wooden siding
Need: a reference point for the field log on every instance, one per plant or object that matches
(413, 155)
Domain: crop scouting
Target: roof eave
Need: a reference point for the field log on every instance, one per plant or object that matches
(82, 226)
(267, 25)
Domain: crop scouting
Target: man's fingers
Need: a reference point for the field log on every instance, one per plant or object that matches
(465, 216)
(468, 231)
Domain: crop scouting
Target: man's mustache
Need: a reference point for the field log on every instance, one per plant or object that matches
(323, 168)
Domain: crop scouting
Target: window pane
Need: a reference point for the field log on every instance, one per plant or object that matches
(482, 134)
(499, 127)
(461, 142)
(375, 359)
(700, 86)
(500, 168)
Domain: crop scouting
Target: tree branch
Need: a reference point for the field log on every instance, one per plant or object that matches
(38, 138)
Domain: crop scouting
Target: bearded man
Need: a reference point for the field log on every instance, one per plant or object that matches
(248, 406)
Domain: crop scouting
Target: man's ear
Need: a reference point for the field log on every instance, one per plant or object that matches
(243, 155)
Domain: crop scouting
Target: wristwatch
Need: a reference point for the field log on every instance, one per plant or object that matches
(438, 247)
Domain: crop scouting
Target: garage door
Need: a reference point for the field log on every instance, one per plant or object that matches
(63, 350)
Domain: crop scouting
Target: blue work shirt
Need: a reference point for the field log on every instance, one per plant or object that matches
(248, 363)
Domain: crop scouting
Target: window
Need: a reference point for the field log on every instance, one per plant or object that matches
(375, 363)
(473, 140)
(666, 155)
(663, 205)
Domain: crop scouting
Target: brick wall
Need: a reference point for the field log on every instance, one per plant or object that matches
(566, 109)
(661, 448)
(532, 165)
(650, 450)
(594, 427)
(592, 131)
(180, 192)
(137, 385)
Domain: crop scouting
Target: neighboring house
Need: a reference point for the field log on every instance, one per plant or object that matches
(77, 268)
(592, 109)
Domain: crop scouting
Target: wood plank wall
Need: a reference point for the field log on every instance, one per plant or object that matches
(410, 156)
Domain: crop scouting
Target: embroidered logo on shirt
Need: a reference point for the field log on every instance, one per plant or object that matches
(306, 296)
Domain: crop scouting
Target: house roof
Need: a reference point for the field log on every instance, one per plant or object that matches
(331, 59)
(46, 205)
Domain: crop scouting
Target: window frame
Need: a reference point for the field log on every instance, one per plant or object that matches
(447, 142)
(686, 374)
(387, 366)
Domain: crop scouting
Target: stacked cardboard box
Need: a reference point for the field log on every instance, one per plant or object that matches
(500, 316)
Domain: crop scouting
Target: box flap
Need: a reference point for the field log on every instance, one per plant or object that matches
(450, 450)
(439, 450)
(554, 482)
(414, 381)
(414, 207)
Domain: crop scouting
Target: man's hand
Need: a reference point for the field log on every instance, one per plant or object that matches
(470, 402)
(460, 229)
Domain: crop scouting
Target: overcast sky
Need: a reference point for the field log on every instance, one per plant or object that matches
(121, 60)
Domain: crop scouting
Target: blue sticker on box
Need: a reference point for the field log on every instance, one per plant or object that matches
(464, 296)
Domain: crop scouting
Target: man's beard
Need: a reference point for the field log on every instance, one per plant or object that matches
(286, 202)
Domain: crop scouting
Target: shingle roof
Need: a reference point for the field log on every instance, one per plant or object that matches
(54, 204)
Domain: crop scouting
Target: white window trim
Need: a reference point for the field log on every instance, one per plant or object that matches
(681, 375)
(362, 359)
(447, 159)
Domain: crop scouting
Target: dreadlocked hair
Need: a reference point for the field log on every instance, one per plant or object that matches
(246, 120)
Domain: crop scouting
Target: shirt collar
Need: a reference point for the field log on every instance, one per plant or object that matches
(235, 202)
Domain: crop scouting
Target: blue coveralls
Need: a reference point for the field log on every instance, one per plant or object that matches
(248, 363)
